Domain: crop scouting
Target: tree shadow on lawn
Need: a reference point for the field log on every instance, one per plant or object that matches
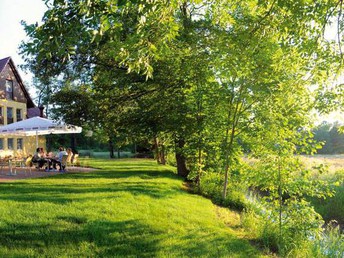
(67, 234)
(62, 194)
(76, 235)
(90, 186)
(126, 173)
(108, 239)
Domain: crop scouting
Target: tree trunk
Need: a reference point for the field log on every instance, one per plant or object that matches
(199, 172)
(180, 158)
(156, 150)
(224, 193)
(280, 200)
(162, 155)
(233, 118)
(111, 148)
(228, 163)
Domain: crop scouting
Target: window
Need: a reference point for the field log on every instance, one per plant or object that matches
(1, 117)
(19, 115)
(10, 143)
(19, 144)
(9, 89)
(1, 144)
(9, 115)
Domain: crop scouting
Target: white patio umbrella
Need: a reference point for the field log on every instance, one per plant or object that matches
(38, 126)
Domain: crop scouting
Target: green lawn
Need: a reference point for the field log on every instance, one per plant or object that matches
(129, 208)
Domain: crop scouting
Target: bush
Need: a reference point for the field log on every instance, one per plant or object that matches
(296, 236)
(171, 159)
(212, 187)
(332, 208)
(261, 228)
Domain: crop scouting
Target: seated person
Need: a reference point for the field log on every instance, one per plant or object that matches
(39, 157)
(53, 160)
(70, 155)
(50, 155)
(61, 153)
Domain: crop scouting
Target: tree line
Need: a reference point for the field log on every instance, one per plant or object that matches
(331, 137)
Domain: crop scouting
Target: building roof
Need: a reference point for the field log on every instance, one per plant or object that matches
(3, 63)
(9, 61)
(32, 112)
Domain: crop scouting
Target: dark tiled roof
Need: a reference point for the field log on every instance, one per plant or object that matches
(32, 112)
(3, 63)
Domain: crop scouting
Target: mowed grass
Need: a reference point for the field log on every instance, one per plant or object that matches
(128, 208)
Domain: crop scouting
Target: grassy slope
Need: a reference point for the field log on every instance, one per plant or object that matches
(129, 208)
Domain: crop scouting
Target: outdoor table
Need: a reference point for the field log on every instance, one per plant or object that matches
(13, 163)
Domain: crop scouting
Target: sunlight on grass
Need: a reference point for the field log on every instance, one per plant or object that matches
(127, 208)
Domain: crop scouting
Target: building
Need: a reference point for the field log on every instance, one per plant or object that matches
(15, 105)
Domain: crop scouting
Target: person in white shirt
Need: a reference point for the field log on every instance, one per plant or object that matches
(61, 153)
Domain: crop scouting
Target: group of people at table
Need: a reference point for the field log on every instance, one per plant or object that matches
(52, 161)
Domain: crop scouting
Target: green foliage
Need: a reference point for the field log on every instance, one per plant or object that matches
(205, 77)
(329, 244)
(332, 208)
(266, 232)
(211, 187)
(289, 218)
(326, 243)
(74, 104)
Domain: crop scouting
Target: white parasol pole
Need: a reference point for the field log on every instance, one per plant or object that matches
(36, 139)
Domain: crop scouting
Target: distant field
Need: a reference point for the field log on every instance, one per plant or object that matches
(333, 162)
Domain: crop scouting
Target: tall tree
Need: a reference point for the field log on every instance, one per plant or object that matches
(188, 52)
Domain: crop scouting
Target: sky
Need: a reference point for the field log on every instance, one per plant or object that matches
(12, 12)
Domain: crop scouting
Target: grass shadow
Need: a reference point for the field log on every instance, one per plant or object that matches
(128, 238)
(62, 188)
(100, 237)
(108, 213)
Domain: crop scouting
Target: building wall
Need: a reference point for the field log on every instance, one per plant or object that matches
(28, 147)
(19, 102)
(4, 104)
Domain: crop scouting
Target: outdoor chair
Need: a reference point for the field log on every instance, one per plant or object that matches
(28, 164)
(74, 161)
(64, 162)
(17, 163)
(3, 164)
